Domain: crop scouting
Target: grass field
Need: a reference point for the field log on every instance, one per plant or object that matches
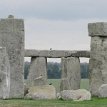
(95, 102)
(56, 83)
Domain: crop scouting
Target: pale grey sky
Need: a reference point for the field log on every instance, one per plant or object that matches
(56, 24)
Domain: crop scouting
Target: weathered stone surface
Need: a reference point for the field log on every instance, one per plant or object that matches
(39, 81)
(98, 60)
(26, 88)
(4, 74)
(97, 29)
(12, 37)
(38, 71)
(102, 92)
(56, 53)
(76, 95)
(71, 72)
(65, 85)
(42, 92)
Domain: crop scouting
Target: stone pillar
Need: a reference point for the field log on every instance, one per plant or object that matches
(71, 76)
(12, 37)
(38, 71)
(4, 74)
(98, 56)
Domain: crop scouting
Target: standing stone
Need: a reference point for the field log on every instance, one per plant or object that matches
(65, 85)
(98, 56)
(70, 73)
(4, 74)
(38, 72)
(12, 37)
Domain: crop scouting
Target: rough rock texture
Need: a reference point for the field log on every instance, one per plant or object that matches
(97, 29)
(12, 37)
(42, 92)
(38, 72)
(102, 91)
(25, 88)
(98, 58)
(76, 95)
(4, 74)
(39, 81)
(56, 53)
(64, 85)
(70, 73)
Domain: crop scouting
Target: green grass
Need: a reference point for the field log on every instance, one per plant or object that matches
(56, 83)
(84, 84)
(95, 102)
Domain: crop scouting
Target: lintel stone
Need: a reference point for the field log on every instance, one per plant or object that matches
(56, 53)
(97, 29)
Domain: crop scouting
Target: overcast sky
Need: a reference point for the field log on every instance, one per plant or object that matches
(56, 24)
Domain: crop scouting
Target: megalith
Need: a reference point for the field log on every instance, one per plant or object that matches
(4, 74)
(38, 71)
(70, 73)
(12, 37)
(98, 56)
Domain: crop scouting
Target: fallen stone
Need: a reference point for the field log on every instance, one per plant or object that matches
(76, 95)
(102, 91)
(41, 92)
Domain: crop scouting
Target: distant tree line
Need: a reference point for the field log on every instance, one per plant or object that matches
(54, 70)
(84, 70)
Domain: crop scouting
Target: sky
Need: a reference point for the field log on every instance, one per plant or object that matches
(56, 24)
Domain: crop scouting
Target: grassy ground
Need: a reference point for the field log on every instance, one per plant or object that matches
(56, 83)
(85, 84)
(95, 102)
